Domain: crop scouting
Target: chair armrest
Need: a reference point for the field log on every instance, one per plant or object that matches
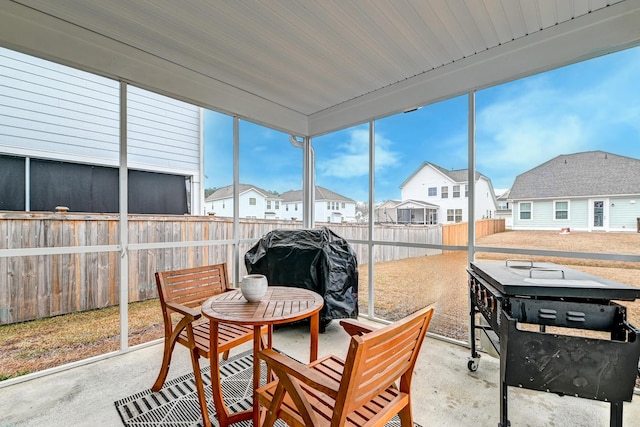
(184, 310)
(284, 364)
(354, 328)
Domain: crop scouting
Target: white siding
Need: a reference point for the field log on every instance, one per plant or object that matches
(252, 211)
(55, 112)
(418, 186)
(292, 212)
(51, 111)
(162, 132)
(485, 202)
(222, 207)
(624, 214)
(339, 215)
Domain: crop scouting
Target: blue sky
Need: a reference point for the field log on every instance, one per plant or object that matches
(592, 105)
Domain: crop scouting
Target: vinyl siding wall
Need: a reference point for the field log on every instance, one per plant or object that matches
(622, 215)
(162, 132)
(51, 111)
(55, 112)
(417, 189)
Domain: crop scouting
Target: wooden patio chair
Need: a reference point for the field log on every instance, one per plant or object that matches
(369, 388)
(182, 293)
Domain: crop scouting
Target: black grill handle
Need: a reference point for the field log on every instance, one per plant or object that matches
(530, 261)
(544, 269)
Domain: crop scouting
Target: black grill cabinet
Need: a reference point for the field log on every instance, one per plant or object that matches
(515, 293)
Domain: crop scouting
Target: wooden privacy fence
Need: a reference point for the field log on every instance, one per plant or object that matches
(39, 286)
(458, 234)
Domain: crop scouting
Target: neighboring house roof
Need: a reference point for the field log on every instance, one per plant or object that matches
(389, 204)
(321, 195)
(504, 195)
(227, 192)
(590, 173)
(457, 175)
(419, 203)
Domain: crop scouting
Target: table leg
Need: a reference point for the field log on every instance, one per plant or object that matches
(314, 331)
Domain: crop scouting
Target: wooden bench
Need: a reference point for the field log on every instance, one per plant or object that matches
(369, 388)
(182, 293)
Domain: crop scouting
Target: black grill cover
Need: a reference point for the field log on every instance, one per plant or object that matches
(318, 260)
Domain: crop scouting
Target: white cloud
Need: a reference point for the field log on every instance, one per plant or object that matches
(536, 119)
(351, 158)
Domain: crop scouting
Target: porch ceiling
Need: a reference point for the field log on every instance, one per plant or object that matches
(309, 67)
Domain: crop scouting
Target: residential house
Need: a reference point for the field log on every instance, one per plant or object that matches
(504, 209)
(254, 202)
(591, 191)
(386, 212)
(406, 212)
(60, 143)
(441, 196)
(329, 206)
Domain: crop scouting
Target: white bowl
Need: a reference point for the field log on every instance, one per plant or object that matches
(253, 287)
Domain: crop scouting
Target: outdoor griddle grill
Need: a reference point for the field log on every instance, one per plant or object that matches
(516, 292)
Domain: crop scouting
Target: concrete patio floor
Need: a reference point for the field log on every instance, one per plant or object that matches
(445, 392)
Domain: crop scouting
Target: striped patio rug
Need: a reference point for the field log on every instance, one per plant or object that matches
(176, 405)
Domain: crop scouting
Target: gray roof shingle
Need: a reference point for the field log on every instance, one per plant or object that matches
(590, 173)
(227, 192)
(321, 194)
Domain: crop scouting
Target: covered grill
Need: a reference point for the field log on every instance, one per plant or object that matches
(318, 260)
(509, 294)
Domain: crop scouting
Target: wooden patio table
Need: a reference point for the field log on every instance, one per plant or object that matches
(279, 305)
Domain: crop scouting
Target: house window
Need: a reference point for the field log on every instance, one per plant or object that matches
(277, 204)
(343, 205)
(252, 201)
(454, 215)
(466, 190)
(432, 192)
(561, 210)
(456, 191)
(268, 204)
(328, 205)
(296, 206)
(525, 210)
(287, 208)
(444, 192)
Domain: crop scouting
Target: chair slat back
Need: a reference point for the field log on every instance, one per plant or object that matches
(380, 357)
(192, 286)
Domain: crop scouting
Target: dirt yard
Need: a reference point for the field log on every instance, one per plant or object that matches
(406, 285)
